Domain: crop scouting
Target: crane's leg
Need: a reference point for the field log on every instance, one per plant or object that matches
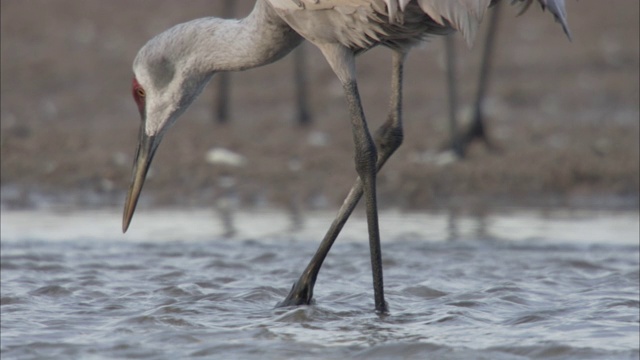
(224, 78)
(222, 101)
(388, 138)
(300, 79)
(477, 130)
(452, 92)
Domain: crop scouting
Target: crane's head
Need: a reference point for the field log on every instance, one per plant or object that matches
(166, 80)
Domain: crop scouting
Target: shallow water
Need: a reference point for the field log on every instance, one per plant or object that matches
(504, 286)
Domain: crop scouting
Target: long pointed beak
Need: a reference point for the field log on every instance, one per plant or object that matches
(147, 146)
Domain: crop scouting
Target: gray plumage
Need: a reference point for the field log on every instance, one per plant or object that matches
(173, 68)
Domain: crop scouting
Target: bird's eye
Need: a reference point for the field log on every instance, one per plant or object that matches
(138, 90)
(139, 95)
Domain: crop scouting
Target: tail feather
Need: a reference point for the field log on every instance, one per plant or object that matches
(555, 7)
(466, 15)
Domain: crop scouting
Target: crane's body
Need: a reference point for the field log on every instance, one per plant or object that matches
(172, 69)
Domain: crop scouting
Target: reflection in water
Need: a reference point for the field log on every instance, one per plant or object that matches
(227, 199)
(456, 220)
(226, 203)
(580, 227)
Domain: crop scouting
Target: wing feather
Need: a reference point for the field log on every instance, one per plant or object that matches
(462, 15)
(556, 7)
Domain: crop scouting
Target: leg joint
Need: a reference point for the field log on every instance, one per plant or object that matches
(389, 137)
(365, 157)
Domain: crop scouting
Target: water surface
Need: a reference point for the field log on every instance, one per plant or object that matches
(509, 286)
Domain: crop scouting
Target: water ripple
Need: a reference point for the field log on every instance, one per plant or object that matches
(448, 300)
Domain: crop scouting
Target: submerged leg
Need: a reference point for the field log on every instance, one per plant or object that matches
(388, 138)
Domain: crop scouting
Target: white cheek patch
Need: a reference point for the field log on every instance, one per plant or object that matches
(160, 116)
(151, 129)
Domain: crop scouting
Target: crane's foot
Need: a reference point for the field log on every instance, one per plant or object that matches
(382, 309)
(475, 132)
(301, 294)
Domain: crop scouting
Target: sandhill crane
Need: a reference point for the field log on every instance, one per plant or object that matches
(458, 142)
(173, 67)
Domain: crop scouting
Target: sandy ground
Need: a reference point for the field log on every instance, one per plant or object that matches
(565, 116)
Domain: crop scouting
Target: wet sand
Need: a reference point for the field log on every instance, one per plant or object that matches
(564, 115)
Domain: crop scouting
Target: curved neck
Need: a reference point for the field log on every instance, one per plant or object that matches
(232, 45)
